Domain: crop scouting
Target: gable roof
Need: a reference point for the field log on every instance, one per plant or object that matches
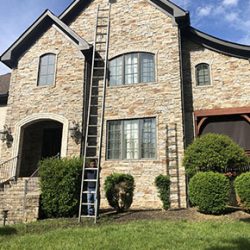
(178, 14)
(46, 20)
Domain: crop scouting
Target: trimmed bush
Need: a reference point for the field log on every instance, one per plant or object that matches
(162, 183)
(209, 191)
(242, 186)
(119, 189)
(60, 186)
(213, 152)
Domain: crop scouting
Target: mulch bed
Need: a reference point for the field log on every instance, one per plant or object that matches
(190, 214)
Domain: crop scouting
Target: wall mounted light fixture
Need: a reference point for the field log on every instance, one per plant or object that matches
(6, 136)
(74, 131)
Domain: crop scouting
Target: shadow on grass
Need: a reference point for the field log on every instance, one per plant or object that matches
(234, 244)
(7, 231)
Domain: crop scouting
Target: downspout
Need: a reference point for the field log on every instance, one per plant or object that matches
(182, 101)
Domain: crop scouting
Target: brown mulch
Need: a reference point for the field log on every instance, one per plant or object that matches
(190, 214)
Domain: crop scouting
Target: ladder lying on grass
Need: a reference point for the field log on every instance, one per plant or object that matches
(89, 197)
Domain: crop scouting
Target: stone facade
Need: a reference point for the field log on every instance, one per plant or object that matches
(135, 26)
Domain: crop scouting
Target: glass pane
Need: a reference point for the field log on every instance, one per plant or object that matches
(42, 80)
(51, 59)
(131, 68)
(51, 69)
(44, 60)
(116, 68)
(148, 143)
(114, 140)
(131, 139)
(147, 67)
(43, 70)
(50, 79)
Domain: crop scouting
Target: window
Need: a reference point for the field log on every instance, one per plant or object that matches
(46, 73)
(131, 139)
(132, 68)
(202, 74)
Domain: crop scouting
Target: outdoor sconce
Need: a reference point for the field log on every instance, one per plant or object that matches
(75, 133)
(5, 136)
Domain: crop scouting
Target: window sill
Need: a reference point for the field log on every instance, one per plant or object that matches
(131, 160)
(204, 86)
(132, 85)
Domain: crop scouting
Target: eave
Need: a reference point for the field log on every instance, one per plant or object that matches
(216, 44)
(29, 37)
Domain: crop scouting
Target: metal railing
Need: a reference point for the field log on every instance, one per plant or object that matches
(8, 169)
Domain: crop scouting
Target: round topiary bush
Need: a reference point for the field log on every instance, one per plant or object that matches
(242, 186)
(162, 183)
(119, 190)
(213, 152)
(209, 191)
(60, 181)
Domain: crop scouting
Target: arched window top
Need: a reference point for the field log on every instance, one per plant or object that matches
(46, 74)
(131, 68)
(202, 74)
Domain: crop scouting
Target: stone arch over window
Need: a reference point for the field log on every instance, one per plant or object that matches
(47, 69)
(17, 143)
(132, 68)
(202, 74)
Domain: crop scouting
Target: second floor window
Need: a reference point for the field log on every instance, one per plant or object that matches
(46, 75)
(132, 68)
(202, 74)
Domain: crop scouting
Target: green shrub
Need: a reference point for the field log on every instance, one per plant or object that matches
(119, 189)
(60, 186)
(242, 186)
(213, 152)
(162, 183)
(210, 192)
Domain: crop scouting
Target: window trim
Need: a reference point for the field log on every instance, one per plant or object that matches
(139, 69)
(55, 69)
(121, 157)
(209, 74)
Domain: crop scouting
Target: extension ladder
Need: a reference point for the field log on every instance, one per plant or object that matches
(89, 197)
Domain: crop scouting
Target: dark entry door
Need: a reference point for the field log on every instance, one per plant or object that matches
(52, 139)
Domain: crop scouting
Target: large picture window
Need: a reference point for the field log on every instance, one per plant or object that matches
(202, 74)
(132, 68)
(131, 139)
(46, 75)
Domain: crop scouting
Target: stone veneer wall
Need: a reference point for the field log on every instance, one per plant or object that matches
(64, 98)
(138, 26)
(229, 87)
(3, 110)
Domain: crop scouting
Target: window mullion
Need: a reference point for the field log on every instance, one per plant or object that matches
(122, 155)
(140, 138)
(139, 68)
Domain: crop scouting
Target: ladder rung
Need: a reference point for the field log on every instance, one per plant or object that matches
(96, 96)
(98, 77)
(88, 192)
(102, 25)
(87, 216)
(103, 9)
(87, 203)
(101, 42)
(90, 180)
(100, 50)
(92, 136)
(98, 68)
(98, 59)
(91, 146)
(93, 105)
(102, 17)
(91, 157)
(101, 34)
(91, 169)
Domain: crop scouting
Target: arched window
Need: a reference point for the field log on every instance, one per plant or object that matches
(202, 74)
(46, 74)
(132, 68)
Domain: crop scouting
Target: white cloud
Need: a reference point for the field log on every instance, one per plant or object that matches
(230, 2)
(204, 11)
(232, 17)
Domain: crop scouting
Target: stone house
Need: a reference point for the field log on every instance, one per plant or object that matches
(168, 83)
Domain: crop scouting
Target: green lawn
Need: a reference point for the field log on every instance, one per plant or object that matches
(150, 234)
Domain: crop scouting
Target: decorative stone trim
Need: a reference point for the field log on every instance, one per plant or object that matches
(17, 143)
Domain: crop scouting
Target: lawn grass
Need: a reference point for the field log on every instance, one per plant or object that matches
(143, 234)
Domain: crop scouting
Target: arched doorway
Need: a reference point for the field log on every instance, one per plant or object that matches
(41, 139)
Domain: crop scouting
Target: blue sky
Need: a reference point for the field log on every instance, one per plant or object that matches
(226, 19)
